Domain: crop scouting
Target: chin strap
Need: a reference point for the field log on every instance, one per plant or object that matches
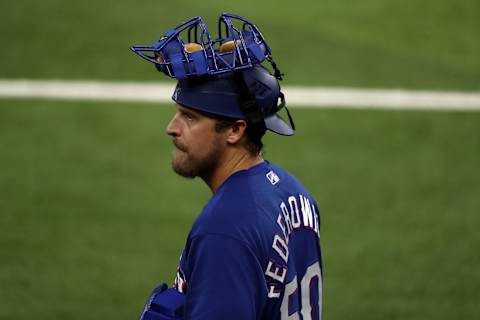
(283, 105)
(276, 71)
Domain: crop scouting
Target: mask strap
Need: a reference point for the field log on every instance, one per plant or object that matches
(283, 105)
(277, 73)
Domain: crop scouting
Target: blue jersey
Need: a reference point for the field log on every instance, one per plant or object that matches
(254, 251)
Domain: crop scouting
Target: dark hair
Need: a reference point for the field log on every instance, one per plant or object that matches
(254, 133)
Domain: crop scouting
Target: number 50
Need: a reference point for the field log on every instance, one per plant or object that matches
(306, 301)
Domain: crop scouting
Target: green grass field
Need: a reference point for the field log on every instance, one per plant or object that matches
(91, 216)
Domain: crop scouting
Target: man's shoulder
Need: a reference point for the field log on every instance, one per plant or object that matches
(229, 207)
(265, 176)
(236, 208)
(253, 190)
(249, 198)
(234, 217)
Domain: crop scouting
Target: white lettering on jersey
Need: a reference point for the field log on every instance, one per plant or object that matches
(300, 212)
(281, 247)
(276, 272)
(295, 214)
(316, 229)
(273, 292)
(307, 212)
(286, 216)
(280, 224)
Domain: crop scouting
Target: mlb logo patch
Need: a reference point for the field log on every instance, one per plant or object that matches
(272, 177)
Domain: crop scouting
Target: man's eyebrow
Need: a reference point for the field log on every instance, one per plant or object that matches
(189, 112)
(193, 112)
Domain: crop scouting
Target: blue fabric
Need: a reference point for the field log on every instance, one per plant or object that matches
(177, 65)
(199, 62)
(256, 51)
(223, 268)
(217, 97)
(164, 304)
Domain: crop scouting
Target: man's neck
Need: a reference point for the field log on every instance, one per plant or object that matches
(230, 164)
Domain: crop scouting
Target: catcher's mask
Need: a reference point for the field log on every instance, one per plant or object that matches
(223, 76)
(235, 48)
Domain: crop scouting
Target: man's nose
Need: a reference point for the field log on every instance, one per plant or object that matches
(172, 128)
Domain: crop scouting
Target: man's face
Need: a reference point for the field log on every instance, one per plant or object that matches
(198, 147)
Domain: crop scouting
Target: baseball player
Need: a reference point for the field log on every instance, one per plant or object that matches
(254, 250)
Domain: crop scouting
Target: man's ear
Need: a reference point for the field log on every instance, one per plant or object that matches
(237, 131)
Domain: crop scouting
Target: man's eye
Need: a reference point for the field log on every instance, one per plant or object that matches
(187, 115)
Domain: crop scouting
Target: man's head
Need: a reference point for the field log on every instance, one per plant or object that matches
(218, 115)
(226, 99)
(203, 141)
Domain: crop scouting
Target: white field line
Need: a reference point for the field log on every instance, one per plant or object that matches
(296, 96)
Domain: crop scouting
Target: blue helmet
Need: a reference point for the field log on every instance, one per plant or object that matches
(223, 76)
(251, 94)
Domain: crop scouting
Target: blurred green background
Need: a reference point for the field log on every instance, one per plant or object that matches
(91, 216)
(430, 44)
